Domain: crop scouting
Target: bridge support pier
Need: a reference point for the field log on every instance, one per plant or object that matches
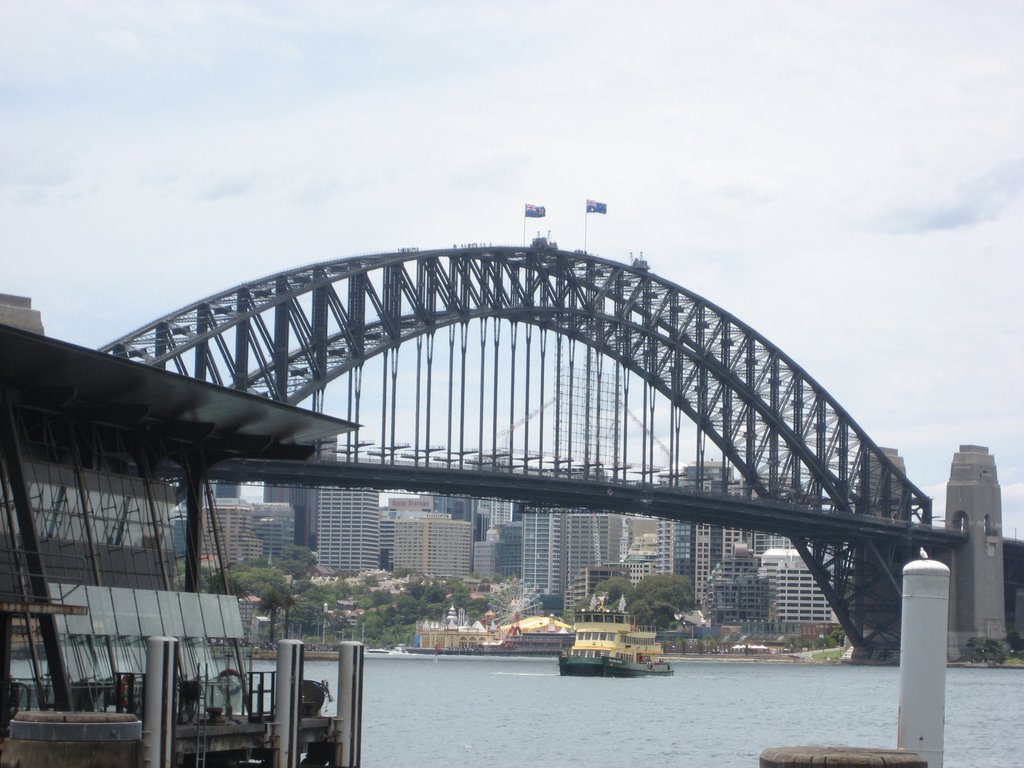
(974, 506)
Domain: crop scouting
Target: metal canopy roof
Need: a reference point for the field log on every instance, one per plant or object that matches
(60, 377)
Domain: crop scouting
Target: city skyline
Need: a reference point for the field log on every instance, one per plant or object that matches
(848, 183)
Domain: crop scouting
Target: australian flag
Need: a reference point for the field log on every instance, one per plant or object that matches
(595, 207)
(535, 211)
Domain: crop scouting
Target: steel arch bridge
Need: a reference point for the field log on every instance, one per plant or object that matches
(530, 361)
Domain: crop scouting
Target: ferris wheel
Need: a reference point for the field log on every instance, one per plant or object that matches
(513, 601)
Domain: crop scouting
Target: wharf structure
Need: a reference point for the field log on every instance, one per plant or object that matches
(100, 460)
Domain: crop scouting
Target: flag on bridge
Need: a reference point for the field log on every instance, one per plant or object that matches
(535, 211)
(595, 207)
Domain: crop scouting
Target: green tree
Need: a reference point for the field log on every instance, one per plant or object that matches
(657, 599)
(295, 561)
(836, 637)
(273, 599)
(613, 589)
(255, 579)
(986, 650)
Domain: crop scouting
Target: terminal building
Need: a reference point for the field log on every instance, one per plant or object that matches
(97, 456)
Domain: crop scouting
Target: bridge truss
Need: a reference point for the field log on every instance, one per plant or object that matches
(451, 360)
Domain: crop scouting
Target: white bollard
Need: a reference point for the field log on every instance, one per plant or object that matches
(161, 702)
(350, 702)
(288, 702)
(923, 659)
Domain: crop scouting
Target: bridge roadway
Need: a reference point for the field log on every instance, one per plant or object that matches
(550, 490)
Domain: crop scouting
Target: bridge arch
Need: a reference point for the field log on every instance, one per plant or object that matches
(289, 335)
(842, 501)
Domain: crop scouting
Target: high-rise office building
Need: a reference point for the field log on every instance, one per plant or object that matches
(591, 538)
(234, 533)
(433, 546)
(303, 501)
(274, 525)
(544, 551)
(509, 557)
(401, 508)
(348, 529)
(493, 512)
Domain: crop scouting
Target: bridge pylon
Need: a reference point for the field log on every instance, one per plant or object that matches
(974, 507)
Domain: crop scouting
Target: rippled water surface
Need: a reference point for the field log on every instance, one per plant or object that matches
(422, 713)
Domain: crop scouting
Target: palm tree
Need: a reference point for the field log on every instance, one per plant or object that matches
(272, 600)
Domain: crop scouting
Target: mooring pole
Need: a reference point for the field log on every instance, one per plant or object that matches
(161, 702)
(925, 624)
(349, 723)
(288, 702)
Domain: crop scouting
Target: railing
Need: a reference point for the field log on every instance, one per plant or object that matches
(261, 696)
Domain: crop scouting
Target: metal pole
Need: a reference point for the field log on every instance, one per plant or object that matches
(161, 702)
(288, 702)
(349, 723)
(925, 624)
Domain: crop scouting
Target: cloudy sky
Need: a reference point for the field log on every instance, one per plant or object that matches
(846, 177)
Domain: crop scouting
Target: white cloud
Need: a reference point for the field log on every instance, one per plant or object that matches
(762, 155)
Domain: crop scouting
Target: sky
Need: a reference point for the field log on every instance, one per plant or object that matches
(846, 177)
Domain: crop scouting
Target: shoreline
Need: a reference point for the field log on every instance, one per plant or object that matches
(688, 658)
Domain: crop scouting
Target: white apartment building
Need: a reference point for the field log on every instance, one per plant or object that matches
(544, 551)
(794, 594)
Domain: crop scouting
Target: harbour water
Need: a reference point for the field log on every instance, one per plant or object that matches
(505, 713)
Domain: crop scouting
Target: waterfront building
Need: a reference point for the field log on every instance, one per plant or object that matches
(711, 545)
(87, 560)
(348, 529)
(794, 595)
(451, 633)
(737, 591)
(434, 546)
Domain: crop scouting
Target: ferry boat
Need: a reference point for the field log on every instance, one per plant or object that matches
(609, 644)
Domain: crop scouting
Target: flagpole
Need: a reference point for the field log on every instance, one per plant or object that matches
(585, 219)
(524, 225)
